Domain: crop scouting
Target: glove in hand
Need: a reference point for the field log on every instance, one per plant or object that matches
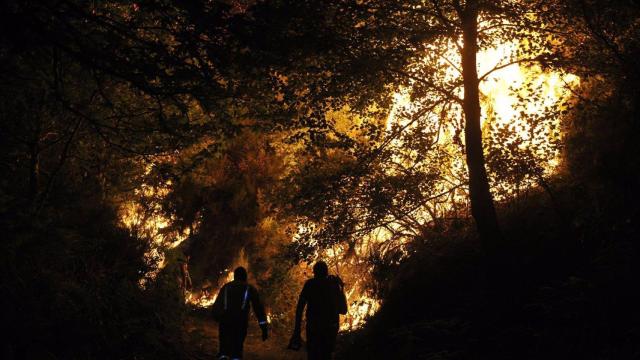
(296, 341)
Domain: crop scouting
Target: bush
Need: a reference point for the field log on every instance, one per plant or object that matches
(71, 290)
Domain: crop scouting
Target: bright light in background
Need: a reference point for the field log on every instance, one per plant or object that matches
(503, 85)
(145, 219)
(500, 89)
(500, 92)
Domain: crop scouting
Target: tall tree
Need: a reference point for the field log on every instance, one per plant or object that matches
(361, 52)
(482, 206)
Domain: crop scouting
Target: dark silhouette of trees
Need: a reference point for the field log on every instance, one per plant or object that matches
(359, 53)
(249, 122)
(482, 206)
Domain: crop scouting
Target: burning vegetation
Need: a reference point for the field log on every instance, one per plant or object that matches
(532, 129)
(480, 148)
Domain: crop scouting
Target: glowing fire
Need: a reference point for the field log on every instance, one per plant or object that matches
(206, 296)
(500, 94)
(361, 306)
(144, 218)
(359, 311)
(500, 88)
(504, 85)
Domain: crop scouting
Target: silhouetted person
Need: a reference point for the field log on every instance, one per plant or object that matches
(231, 309)
(325, 301)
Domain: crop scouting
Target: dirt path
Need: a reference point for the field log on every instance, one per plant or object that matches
(204, 335)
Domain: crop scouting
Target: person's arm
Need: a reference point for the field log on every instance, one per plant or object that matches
(218, 307)
(302, 302)
(258, 309)
(296, 339)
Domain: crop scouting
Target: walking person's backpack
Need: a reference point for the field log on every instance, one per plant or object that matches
(220, 308)
(341, 298)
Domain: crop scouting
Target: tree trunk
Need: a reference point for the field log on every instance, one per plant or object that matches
(482, 207)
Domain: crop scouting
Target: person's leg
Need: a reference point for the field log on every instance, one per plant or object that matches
(332, 335)
(322, 345)
(239, 334)
(224, 346)
(312, 343)
(326, 342)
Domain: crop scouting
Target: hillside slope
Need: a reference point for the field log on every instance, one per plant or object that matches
(567, 287)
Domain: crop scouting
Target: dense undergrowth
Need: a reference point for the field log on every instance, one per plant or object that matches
(90, 103)
(564, 286)
(566, 291)
(71, 290)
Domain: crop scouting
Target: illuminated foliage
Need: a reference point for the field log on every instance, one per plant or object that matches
(273, 133)
(370, 50)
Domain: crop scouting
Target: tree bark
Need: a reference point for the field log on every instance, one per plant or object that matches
(482, 207)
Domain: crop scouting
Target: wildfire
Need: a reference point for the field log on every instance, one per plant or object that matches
(501, 91)
(504, 85)
(361, 306)
(500, 88)
(359, 311)
(206, 295)
(144, 217)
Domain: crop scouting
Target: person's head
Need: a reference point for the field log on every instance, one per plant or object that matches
(320, 269)
(240, 274)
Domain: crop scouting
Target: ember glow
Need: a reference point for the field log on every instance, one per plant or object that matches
(502, 92)
(145, 218)
(361, 306)
(502, 87)
(207, 294)
(500, 103)
(205, 297)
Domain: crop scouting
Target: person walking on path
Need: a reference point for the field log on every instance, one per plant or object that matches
(323, 295)
(231, 310)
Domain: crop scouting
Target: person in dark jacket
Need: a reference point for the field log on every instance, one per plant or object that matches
(231, 309)
(323, 295)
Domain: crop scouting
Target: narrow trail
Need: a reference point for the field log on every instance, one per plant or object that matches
(204, 342)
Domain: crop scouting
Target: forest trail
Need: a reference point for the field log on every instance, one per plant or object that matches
(204, 342)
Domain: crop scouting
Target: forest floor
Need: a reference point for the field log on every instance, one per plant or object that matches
(203, 335)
